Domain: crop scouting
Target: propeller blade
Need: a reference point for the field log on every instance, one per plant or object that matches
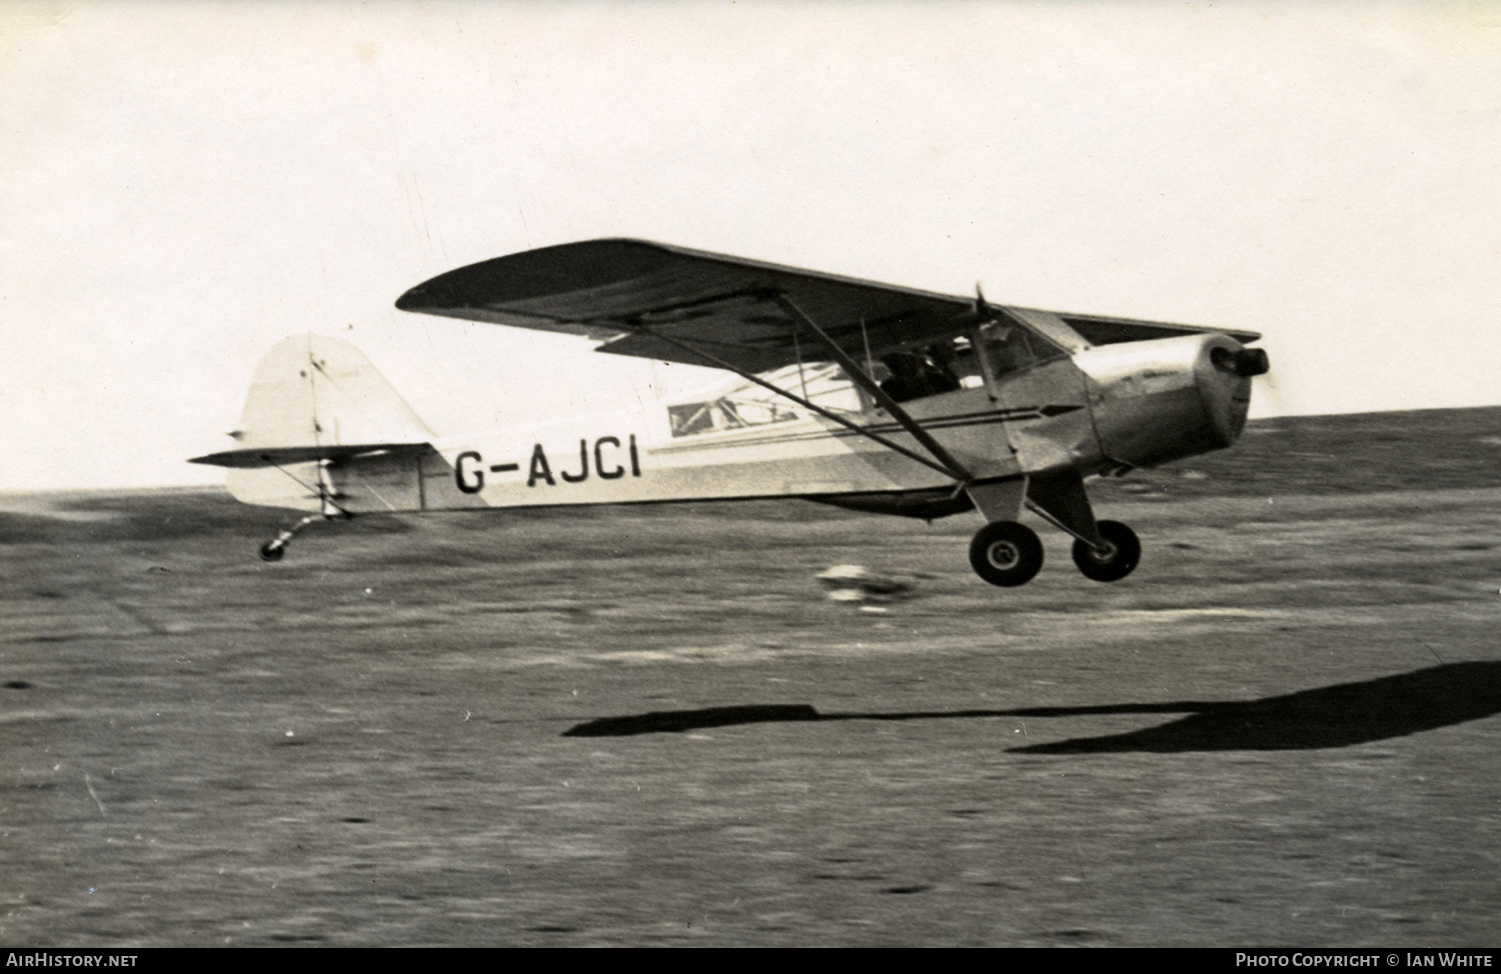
(982, 308)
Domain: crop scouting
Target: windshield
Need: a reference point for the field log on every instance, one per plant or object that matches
(1010, 348)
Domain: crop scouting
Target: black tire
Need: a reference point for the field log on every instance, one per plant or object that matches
(1122, 560)
(1006, 553)
(271, 551)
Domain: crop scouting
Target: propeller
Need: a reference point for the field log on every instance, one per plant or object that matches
(1275, 396)
(983, 312)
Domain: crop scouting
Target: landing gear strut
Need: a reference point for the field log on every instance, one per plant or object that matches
(1006, 553)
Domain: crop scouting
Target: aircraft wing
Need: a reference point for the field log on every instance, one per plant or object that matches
(655, 301)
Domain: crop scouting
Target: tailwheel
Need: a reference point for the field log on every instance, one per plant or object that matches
(1006, 553)
(1119, 557)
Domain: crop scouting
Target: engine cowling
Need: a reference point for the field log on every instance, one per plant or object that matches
(1169, 398)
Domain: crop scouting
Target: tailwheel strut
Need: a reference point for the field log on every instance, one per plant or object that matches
(274, 549)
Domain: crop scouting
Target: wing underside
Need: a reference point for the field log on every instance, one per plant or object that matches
(656, 301)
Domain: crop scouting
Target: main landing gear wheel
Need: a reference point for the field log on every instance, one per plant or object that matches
(273, 551)
(1006, 553)
(1122, 553)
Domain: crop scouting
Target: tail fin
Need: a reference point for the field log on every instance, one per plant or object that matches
(316, 403)
(314, 395)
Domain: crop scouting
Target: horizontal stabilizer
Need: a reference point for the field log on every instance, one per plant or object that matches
(284, 455)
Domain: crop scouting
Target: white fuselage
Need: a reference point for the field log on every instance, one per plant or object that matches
(1098, 409)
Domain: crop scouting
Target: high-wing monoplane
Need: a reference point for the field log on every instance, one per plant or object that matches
(868, 396)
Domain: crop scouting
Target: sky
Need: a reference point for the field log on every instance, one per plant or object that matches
(187, 183)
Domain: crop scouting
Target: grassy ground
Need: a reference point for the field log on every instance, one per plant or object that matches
(648, 726)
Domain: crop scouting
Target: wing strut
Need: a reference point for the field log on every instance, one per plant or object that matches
(825, 413)
(950, 466)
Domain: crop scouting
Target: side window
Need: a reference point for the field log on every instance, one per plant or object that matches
(744, 405)
(964, 362)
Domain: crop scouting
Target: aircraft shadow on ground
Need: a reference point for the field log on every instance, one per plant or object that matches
(1334, 716)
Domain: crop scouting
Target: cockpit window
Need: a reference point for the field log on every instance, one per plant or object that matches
(956, 363)
(913, 375)
(1010, 348)
(914, 372)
